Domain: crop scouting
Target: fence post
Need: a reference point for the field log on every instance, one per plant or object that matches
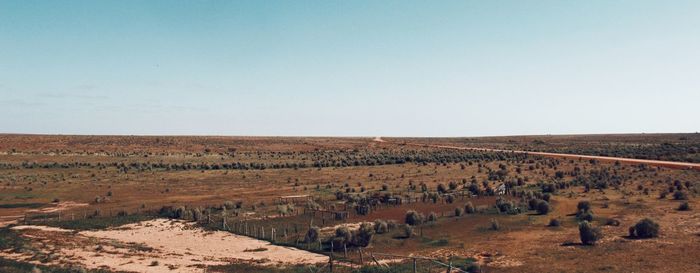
(415, 266)
(330, 259)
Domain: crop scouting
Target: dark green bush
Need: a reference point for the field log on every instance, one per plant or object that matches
(432, 217)
(554, 222)
(589, 234)
(543, 207)
(645, 228)
(584, 216)
(414, 218)
(363, 236)
(680, 195)
(469, 208)
(381, 226)
(408, 231)
(312, 235)
(584, 206)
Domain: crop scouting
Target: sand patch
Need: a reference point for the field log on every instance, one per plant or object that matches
(55, 207)
(42, 228)
(159, 246)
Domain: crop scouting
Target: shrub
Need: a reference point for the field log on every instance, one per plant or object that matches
(408, 231)
(680, 195)
(380, 226)
(584, 216)
(453, 185)
(392, 224)
(473, 268)
(229, 205)
(312, 235)
(646, 228)
(584, 206)
(363, 209)
(432, 217)
(554, 222)
(589, 234)
(469, 208)
(543, 207)
(504, 205)
(547, 197)
(414, 218)
(684, 206)
(532, 204)
(180, 213)
(495, 225)
(167, 211)
(342, 236)
(450, 198)
(441, 188)
(364, 235)
(459, 211)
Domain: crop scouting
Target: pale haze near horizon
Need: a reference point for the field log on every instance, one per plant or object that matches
(349, 68)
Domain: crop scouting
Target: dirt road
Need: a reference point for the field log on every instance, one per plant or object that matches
(660, 163)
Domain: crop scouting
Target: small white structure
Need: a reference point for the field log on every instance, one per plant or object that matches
(501, 189)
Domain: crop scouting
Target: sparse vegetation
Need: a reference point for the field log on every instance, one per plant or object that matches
(645, 228)
(589, 235)
(305, 190)
(414, 218)
(554, 222)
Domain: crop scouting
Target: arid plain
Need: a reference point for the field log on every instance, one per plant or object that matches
(284, 204)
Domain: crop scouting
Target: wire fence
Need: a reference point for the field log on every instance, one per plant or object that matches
(285, 230)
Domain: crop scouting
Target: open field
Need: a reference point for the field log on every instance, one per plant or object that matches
(104, 204)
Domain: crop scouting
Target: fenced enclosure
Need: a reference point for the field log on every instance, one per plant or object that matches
(280, 229)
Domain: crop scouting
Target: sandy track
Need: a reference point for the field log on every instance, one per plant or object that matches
(7, 220)
(660, 163)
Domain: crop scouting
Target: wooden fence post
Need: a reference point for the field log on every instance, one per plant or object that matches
(330, 258)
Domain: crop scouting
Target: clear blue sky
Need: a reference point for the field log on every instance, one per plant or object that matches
(391, 68)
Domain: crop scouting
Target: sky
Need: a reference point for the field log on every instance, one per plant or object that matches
(349, 68)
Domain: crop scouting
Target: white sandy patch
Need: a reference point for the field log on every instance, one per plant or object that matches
(42, 228)
(161, 246)
(61, 206)
(4, 223)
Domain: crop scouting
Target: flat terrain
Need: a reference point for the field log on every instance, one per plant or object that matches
(111, 195)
